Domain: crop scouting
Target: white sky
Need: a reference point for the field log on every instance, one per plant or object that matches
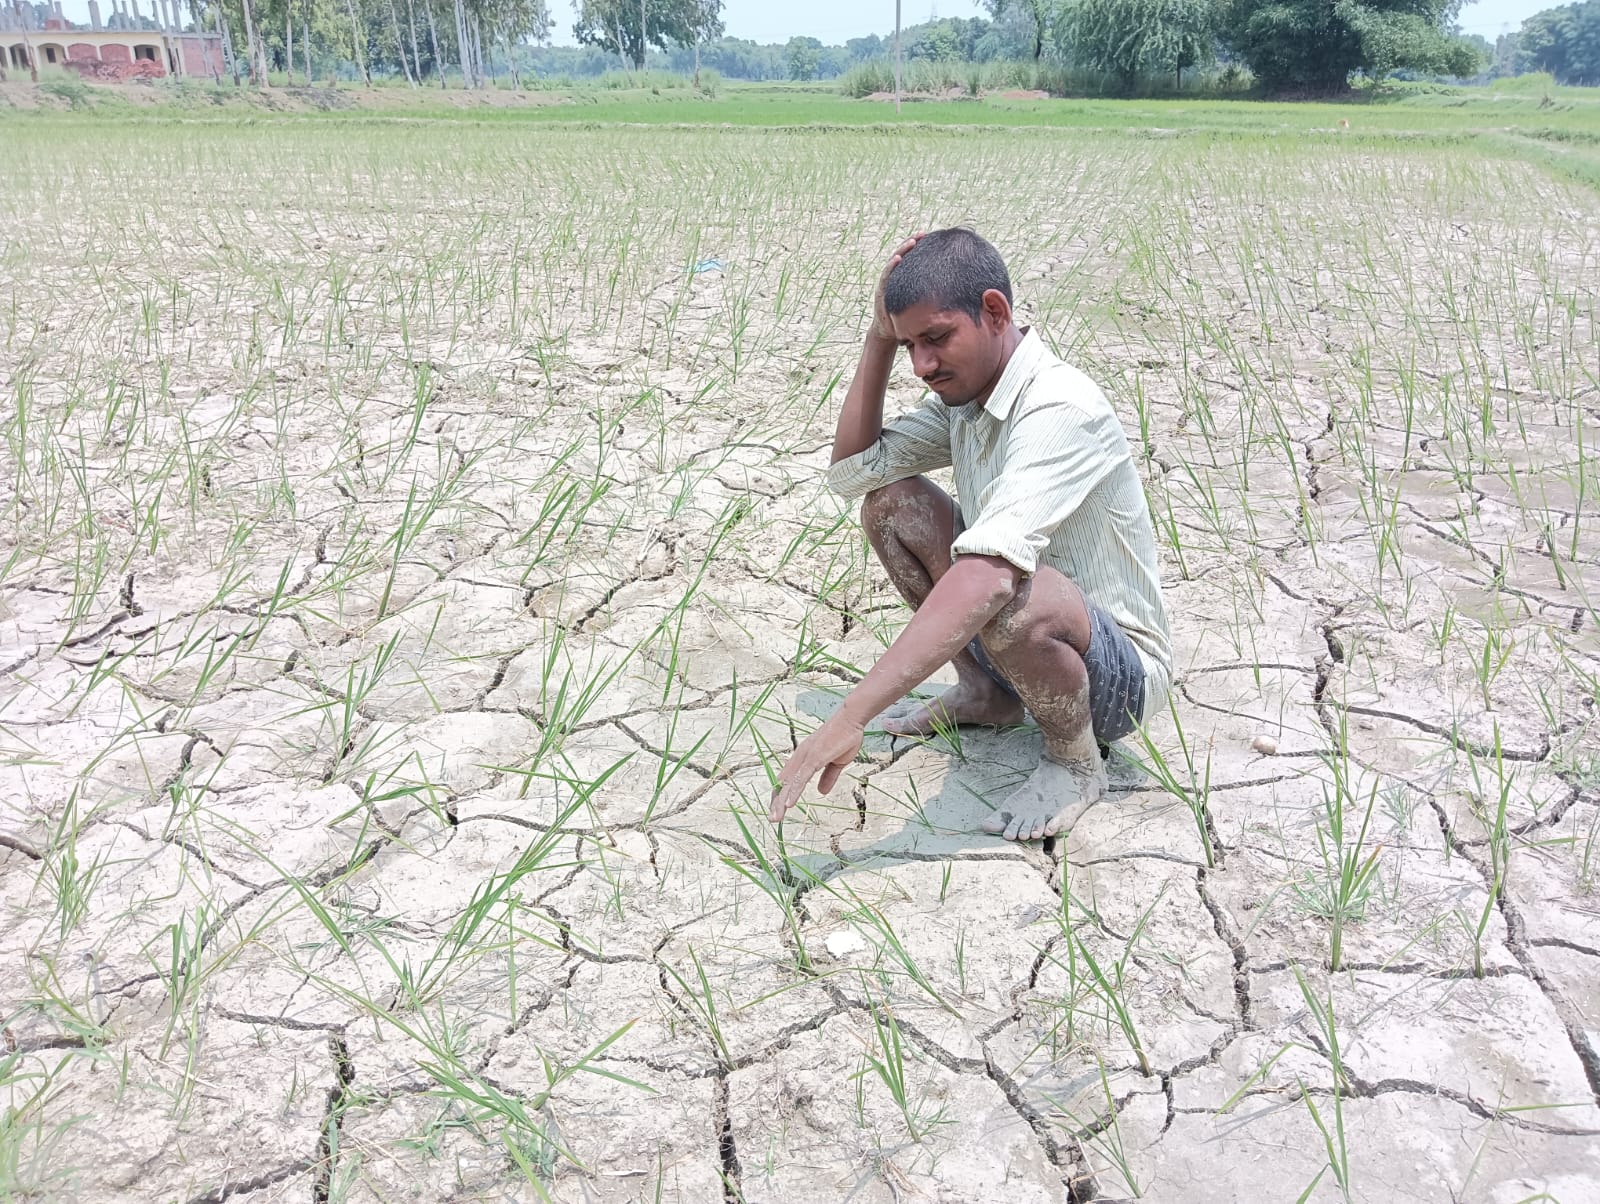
(833, 21)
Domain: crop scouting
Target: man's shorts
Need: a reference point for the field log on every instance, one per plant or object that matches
(1116, 676)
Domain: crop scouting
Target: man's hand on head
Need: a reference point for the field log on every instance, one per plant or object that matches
(826, 751)
(881, 327)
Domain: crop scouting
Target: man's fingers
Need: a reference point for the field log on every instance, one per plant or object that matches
(791, 782)
(830, 775)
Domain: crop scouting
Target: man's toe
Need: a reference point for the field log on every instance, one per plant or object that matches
(996, 824)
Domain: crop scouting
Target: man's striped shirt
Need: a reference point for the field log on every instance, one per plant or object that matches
(1043, 475)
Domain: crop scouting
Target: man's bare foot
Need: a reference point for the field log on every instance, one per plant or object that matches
(1050, 801)
(985, 705)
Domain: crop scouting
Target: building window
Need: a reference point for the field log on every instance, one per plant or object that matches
(145, 53)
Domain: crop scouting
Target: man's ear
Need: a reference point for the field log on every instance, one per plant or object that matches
(996, 310)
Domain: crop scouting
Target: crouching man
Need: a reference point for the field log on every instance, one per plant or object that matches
(1038, 581)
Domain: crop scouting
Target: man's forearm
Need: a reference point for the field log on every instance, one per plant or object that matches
(961, 604)
(861, 419)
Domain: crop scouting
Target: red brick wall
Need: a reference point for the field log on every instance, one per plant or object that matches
(202, 56)
(83, 52)
(112, 53)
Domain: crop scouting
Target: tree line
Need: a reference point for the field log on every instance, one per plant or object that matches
(1311, 46)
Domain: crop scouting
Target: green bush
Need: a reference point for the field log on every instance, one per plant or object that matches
(67, 87)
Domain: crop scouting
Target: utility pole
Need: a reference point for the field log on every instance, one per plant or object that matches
(896, 56)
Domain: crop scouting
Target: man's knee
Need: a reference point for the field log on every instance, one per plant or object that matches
(883, 506)
(1046, 607)
(1013, 629)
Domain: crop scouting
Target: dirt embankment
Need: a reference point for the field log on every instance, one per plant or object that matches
(71, 92)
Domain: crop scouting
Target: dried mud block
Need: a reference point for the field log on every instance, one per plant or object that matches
(1271, 1065)
(633, 1142)
(135, 767)
(264, 833)
(931, 802)
(728, 813)
(410, 1147)
(1421, 910)
(1228, 709)
(759, 997)
(1536, 801)
(1144, 824)
(621, 1000)
(354, 607)
(731, 730)
(1405, 1147)
(617, 901)
(1549, 885)
(457, 754)
(286, 730)
(743, 632)
(585, 679)
(966, 945)
(249, 1106)
(135, 890)
(1065, 1006)
(1576, 979)
(1224, 627)
(1496, 1040)
(801, 1136)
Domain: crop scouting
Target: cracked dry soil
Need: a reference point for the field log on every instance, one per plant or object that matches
(412, 575)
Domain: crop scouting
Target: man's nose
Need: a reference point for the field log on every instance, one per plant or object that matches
(923, 362)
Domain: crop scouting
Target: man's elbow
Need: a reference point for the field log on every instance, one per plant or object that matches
(994, 578)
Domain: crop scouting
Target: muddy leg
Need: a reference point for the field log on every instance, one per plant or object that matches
(1038, 642)
(910, 525)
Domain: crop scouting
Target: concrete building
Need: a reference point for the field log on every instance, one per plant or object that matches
(127, 46)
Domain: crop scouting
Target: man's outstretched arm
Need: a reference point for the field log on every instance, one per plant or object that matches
(962, 603)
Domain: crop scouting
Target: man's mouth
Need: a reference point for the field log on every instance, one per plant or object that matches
(933, 382)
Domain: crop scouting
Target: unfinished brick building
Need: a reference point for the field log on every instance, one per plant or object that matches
(127, 46)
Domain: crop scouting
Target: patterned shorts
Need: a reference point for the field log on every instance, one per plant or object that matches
(1116, 676)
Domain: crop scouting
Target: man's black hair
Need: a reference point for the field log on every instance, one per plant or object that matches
(952, 269)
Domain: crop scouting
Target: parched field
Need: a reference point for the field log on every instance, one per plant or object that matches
(415, 565)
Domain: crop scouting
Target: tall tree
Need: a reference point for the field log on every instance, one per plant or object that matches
(399, 44)
(629, 27)
(1130, 38)
(705, 23)
(358, 35)
(1039, 12)
(803, 54)
(1564, 41)
(1312, 45)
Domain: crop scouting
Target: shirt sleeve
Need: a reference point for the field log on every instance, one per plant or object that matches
(1056, 453)
(915, 442)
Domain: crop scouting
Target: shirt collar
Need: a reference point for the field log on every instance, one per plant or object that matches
(1019, 370)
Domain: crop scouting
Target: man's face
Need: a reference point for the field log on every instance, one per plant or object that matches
(953, 355)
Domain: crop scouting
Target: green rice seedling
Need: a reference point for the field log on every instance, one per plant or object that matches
(772, 880)
(893, 957)
(30, 1135)
(1499, 846)
(1339, 895)
(1193, 787)
(888, 1059)
(1103, 1133)
(704, 1003)
(1334, 1141)
(1108, 982)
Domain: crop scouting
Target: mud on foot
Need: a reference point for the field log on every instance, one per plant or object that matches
(1050, 801)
